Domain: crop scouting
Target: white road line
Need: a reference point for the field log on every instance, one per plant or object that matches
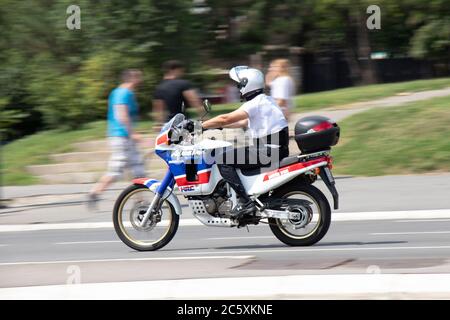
(241, 238)
(310, 249)
(118, 241)
(390, 215)
(86, 242)
(363, 286)
(124, 260)
(408, 233)
(80, 225)
(336, 217)
(423, 220)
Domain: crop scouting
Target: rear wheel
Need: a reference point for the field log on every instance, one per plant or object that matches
(129, 210)
(314, 216)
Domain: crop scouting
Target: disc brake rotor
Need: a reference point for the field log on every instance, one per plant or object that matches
(304, 215)
(137, 214)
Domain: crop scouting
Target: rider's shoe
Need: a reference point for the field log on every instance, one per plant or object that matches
(91, 202)
(243, 209)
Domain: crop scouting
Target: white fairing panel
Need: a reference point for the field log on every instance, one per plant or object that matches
(265, 182)
(208, 144)
(208, 188)
(203, 188)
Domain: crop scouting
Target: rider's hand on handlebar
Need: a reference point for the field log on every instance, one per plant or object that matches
(206, 129)
(188, 125)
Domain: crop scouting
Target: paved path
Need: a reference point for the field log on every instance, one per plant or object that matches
(338, 113)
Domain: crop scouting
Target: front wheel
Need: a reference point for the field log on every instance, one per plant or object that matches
(314, 216)
(129, 210)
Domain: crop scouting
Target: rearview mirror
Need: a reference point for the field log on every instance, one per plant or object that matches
(207, 105)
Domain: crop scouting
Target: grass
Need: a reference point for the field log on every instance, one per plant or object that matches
(35, 149)
(414, 138)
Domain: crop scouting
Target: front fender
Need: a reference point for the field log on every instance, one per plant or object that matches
(153, 184)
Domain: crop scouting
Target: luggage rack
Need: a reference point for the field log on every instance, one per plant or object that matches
(308, 156)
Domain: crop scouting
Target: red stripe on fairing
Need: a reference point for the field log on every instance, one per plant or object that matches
(139, 180)
(293, 167)
(202, 178)
(163, 138)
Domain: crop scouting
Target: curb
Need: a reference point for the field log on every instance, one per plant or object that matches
(359, 286)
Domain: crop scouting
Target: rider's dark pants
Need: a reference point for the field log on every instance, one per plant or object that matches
(253, 157)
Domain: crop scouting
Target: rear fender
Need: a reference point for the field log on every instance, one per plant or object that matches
(265, 182)
(152, 185)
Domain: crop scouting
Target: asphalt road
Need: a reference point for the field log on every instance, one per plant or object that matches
(403, 245)
(388, 246)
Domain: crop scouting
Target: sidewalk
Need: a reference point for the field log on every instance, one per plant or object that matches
(48, 204)
(337, 113)
(333, 286)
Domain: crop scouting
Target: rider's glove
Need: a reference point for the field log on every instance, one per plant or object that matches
(188, 125)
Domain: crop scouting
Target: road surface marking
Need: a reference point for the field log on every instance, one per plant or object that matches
(241, 238)
(307, 286)
(336, 217)
(407, 233)
(310, 249)
(424, 220)
(86, 242)
(390, 215)
(118, 241)
(125, 260)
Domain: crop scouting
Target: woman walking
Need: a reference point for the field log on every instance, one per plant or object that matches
(282, 86)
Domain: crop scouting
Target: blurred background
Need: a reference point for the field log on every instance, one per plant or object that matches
(53, 78)
(380, 68)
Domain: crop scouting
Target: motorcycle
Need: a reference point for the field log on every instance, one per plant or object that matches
(147, 213)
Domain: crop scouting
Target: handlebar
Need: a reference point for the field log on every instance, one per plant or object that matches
(204, 129)
(186, 130)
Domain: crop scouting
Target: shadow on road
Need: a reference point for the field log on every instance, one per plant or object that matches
(355, 243)
(281, 246)
(329, 244)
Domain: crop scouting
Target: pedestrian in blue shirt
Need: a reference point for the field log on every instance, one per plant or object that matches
(122, 116)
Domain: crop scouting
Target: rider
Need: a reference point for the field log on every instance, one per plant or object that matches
(268, 128)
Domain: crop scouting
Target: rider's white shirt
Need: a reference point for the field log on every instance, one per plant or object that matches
(264, 116)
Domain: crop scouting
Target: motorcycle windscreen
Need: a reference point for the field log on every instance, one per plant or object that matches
(176, 120)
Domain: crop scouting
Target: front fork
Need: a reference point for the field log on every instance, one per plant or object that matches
(167, 182)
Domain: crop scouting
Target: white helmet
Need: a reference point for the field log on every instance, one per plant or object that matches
(248, 79)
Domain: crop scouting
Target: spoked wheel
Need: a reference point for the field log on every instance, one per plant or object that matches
(129, 210)
(313, 216)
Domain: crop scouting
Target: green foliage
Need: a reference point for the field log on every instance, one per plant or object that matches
(432, 40)
(7, 117)
(53, 77)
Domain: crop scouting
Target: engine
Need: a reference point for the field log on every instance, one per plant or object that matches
(218, 204)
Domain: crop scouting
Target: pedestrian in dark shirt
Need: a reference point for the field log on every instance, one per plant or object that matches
(172, 92)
